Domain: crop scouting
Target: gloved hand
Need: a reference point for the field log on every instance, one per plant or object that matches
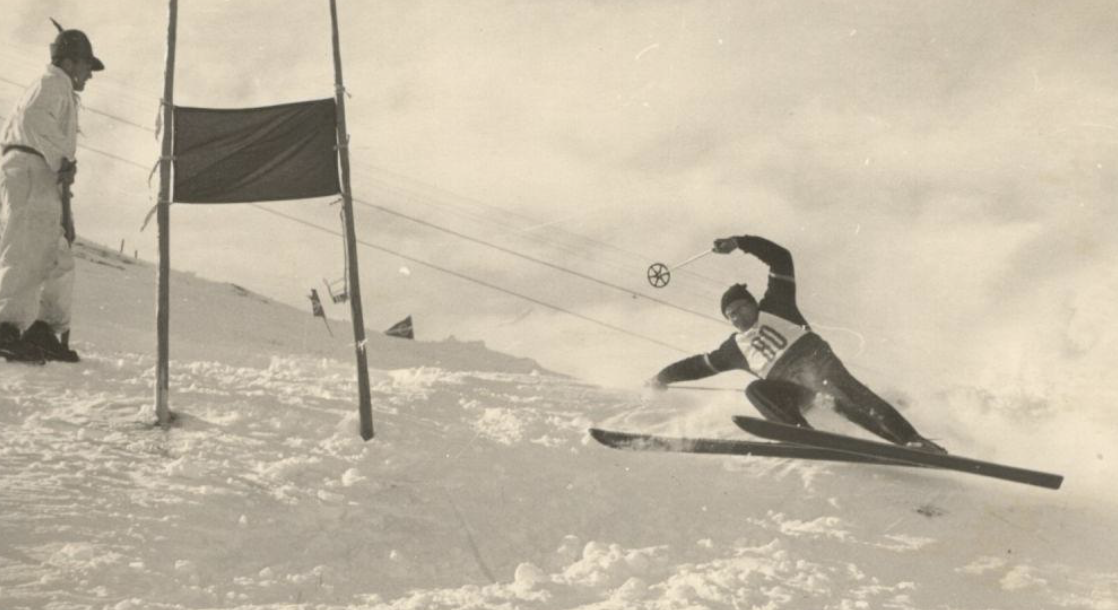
(725, 245)
(67, 171)
(654, 383)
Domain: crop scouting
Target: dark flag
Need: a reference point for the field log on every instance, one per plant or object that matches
(316, 307)
(402, 329)
(255, 154)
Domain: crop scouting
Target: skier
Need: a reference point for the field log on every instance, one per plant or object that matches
(795, 366)
(39, 143)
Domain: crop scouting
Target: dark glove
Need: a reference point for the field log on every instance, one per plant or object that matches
(725, 245)
(67, 171)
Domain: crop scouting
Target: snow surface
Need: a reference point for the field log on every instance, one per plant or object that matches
(482, 488)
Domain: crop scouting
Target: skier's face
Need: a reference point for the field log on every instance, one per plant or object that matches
(79, 70)
(742, 313)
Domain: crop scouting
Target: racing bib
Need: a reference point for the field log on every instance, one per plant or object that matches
(768, 339)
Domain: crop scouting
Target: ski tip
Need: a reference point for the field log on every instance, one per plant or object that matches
(626, 440)
(614, 440)
(599, 434)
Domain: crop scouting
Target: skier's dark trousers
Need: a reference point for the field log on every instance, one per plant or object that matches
(795, 367)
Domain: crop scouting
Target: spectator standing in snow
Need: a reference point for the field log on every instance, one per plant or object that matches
(39, 144)
(795, 366)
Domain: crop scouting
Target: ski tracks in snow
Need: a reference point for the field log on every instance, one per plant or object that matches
(480, 490)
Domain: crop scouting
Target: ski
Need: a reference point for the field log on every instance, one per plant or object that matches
(838, 442)
(652, 442)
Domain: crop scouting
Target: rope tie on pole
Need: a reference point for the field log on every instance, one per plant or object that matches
(147, 217)
(159, 118)
(156, 166)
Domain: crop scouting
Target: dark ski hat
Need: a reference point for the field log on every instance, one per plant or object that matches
(74, 44)
(737, 292)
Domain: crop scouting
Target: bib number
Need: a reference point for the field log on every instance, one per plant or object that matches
(768, 342)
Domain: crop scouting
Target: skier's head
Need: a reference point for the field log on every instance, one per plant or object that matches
(739, 307)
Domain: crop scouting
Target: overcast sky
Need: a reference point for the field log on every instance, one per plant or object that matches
(944, 172)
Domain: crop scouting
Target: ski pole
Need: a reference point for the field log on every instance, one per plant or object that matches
(700, 388)
(660, 274)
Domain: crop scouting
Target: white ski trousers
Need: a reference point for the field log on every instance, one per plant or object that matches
(36, 265)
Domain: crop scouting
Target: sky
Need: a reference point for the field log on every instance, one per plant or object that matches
(944, 173)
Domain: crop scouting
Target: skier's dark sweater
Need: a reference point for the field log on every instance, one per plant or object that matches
(793, 363)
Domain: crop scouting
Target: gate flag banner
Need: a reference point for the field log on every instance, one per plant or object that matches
(255, 154)
(316, 305)
(402, 329)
